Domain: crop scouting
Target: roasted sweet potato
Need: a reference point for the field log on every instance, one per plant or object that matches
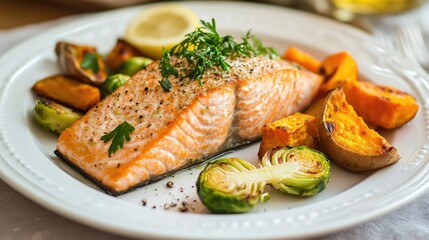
(302, 58)
(338, 69)
(295, 130)
(384, 106)
(81, 62)
(315, 109)
(120, 53)
(70, 92)
(348, 141)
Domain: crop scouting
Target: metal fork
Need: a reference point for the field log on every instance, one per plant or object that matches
(409, 39)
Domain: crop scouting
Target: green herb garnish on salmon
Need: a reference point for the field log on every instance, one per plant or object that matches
(119, 134)
(204, 49)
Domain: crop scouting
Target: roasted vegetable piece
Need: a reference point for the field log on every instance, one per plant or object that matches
(134, 64)
(302, 58)
(53, 116)
(68, 91)
(82, 62)
(295, 130)
(112, 83)
(348, 141)
(383, 106)
(231, 185)
(304, 171)
(120, 53)
(339, 69)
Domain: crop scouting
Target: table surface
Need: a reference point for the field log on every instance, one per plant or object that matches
(20, 218)
(15, 13)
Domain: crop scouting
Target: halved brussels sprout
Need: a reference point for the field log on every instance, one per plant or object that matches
(301, 170)
(134, 64)
(231, 185)
(112, 83)
(53, 116)
(82, 62)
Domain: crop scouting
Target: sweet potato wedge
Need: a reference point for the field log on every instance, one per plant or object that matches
(348, 141)
(338, 69)
(302, 58)
(67, 90)
(120, 53)
(295, 130)
(384, 106)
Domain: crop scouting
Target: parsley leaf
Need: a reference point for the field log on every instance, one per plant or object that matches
(121, 132)
(90, 61)
(205, 48)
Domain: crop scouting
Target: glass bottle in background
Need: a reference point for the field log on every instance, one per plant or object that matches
(376, 6)
(349, 10)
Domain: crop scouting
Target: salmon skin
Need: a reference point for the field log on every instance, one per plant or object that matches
(187, 125)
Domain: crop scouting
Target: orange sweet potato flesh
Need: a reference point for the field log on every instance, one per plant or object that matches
(302, 58)
(348, 141)
(120, 53)
(339, 69)
(70, 92)
(295, 130)
(384, 106)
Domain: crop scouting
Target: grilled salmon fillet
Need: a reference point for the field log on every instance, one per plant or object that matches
(187, 125)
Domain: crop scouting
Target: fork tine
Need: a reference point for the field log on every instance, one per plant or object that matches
(411, 43)
(386, 40)
(405, 43)
(420, 49)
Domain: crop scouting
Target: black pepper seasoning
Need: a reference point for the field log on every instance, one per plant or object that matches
(170, 184)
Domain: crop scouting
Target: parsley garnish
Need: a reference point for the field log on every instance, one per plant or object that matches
(204, 49)
(121, 132)
(90, 61)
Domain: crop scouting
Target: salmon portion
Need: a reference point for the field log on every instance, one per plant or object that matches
(187, 125)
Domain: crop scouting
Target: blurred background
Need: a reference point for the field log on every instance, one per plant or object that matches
(20, 19)
(14, 13)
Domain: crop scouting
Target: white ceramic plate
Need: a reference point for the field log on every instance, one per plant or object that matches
(28, 164)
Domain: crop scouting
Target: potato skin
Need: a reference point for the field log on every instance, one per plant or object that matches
(297, 129)
(384, 106)
(348, 141)
(70, 57)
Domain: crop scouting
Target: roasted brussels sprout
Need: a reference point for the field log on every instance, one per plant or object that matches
(53, 116)
(305, 171)
(120, 53)
(134, 64)
(231, 185)
(82, 62)
(112, 83)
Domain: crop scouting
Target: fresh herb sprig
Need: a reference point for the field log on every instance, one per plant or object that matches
(205, 48)
(90, 62)
(119, 135)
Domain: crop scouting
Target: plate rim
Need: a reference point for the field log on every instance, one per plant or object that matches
(55, 206)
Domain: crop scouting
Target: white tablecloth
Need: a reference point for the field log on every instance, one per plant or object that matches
(20, 218)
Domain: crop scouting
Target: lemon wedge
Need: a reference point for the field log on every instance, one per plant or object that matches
(160, 26)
